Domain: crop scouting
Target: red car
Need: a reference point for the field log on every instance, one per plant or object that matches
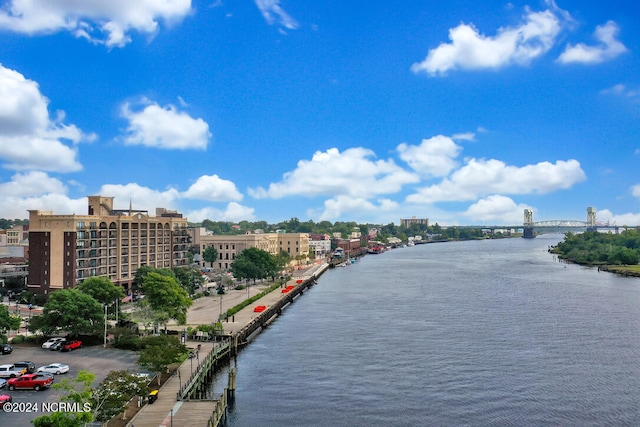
(4, 398)
(71, 345)
(36, 382)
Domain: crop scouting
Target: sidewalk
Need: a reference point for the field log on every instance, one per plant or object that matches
(164, 411)
(161, 412)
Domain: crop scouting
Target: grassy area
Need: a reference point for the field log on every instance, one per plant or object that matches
(624, 268)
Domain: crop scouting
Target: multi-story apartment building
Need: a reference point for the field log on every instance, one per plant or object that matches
(320, 244)
(229, 246)
(413, 220)
(66, 249)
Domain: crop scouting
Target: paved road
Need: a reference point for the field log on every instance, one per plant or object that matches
(96, 359)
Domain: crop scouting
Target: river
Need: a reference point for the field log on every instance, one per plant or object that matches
(477, 333)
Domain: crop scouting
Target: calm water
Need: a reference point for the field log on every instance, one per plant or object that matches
(487, 333)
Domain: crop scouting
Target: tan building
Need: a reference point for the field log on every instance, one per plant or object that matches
(229, 246)
(413, 220)
(66, 249)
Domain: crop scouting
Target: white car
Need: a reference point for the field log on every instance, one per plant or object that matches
(54, 368)
(51, 341)
(3, 382)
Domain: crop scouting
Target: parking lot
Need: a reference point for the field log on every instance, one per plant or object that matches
(96, 359)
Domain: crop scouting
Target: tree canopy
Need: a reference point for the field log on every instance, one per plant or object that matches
(160, 351)
(110, 398)
(210, 255)
(593, 248)
(79, 391)
(254, 263)
(101, 289)
(164, 294)
(69, 310)
(189, 278)
(7, 320)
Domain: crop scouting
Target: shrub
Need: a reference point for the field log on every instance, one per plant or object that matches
(18, 339)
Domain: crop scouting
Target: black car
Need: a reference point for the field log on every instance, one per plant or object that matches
(29, 366)
(5, 349)
(56, 346)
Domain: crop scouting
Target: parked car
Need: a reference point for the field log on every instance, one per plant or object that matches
(10, 371)
(56, 345)
(71, 345)
(36, 382)
(4, 398)
(54, 368)
(29, 366)
(3, 382)
(48, 343)
(5, 349)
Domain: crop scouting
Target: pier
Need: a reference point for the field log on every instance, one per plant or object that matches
(185, 398)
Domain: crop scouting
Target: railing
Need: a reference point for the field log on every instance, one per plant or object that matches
(214, 355)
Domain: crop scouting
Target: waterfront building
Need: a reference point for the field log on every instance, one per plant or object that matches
(229, 246)
(413, 220)
(64, 250)
(320, 244)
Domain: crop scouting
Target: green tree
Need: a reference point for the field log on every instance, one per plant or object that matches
(101, 289)
(78, 391)
(138, 278)
(254, 263)
(160, 351)
(165, 295)
(111, 396)
(69, 310)
(189, 277)
(210, 255)
(8, 321)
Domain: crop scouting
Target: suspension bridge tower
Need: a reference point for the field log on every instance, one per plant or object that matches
(591, 219)
(528, 224)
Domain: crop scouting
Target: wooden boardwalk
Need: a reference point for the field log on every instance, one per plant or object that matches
(168, 410)
(159, 413)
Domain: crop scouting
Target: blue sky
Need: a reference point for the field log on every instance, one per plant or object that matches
(461, 112)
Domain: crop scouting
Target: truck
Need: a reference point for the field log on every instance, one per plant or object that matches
(37, 381)
(11, 371)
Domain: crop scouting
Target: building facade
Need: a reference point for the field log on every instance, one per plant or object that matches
(64, 250)
(413, 220)
(229, 246)
(320, 244)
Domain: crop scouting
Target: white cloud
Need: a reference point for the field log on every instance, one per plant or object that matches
(433, 157)
(483, 177)
(496, 209)
(142, 198)
(29, 138)
(214, 189)
(635, 190)
(273, 13)
(164, 127)
(31, 184)
(108, 22)
(336, 207)
(352, 173)
(622, 90)
(471, 50)
(608, 48)
(234, 212)
(37, 190)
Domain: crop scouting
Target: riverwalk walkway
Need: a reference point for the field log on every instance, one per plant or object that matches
(167, 410)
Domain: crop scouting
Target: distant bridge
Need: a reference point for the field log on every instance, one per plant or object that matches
(529, 227)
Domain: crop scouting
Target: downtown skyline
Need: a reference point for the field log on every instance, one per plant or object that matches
(340, 111)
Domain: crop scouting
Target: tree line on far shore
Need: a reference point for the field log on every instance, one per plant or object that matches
(594, 248)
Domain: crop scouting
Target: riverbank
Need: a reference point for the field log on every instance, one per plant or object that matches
(622, 270)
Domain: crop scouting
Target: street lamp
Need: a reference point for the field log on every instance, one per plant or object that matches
(105, 326)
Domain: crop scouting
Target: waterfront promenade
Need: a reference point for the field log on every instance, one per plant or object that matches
(167, 410)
